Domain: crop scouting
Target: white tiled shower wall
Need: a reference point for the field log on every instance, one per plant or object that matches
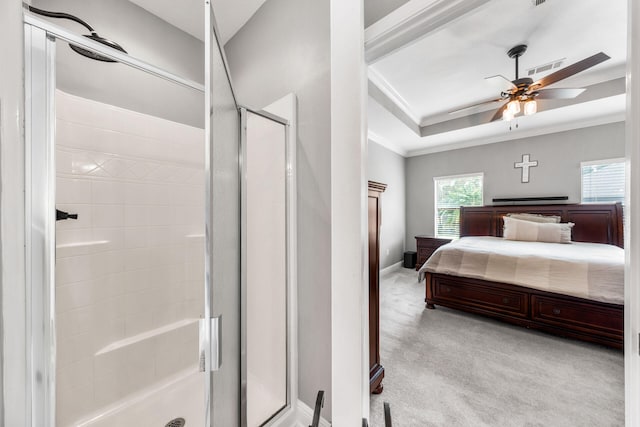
(129, 271)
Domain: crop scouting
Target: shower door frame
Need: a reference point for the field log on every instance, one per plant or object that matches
(284, 415)
(40, 223)
(40, 180)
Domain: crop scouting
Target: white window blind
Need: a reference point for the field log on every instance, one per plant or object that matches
(603, 181)
(451, 192)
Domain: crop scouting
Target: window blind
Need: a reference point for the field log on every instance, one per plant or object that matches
(603, 182)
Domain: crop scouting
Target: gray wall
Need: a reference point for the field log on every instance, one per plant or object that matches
(144, 36)
(285, 48)
(387, 167)
(557, 174)
(377, 9)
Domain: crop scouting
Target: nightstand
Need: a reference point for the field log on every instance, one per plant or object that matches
(427, 245)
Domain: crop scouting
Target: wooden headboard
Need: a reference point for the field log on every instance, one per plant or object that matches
(595, 223)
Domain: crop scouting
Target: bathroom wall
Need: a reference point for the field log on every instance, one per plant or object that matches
(283, 49)
(130, 270)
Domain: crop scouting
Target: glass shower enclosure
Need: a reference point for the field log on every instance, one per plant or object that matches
(135, 280)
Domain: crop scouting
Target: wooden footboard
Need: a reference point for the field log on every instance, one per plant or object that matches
(558, 314)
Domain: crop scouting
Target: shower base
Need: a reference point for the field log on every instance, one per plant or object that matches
(182, 396)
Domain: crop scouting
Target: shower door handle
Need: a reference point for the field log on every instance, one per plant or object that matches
(210, 352)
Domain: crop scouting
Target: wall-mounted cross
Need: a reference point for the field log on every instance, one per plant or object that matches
(525, 164)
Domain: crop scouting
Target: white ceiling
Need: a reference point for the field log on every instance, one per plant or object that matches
(446, 69)
(231, 15)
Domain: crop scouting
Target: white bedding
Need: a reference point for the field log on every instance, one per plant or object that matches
(587, 270)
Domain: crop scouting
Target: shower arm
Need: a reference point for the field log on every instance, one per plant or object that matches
(94, 36)
(62, 16)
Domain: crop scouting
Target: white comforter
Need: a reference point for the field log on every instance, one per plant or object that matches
(586, 270)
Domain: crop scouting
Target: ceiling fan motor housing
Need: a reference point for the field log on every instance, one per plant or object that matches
(524, 82)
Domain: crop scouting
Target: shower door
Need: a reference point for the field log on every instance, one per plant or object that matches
(141, 169)
(267, 281)
(223, 232)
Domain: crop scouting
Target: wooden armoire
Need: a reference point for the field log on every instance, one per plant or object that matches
(376, 371)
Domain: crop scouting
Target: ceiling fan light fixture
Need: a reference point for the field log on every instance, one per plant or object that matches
(530, 107)
(525, 90)
(513, 107)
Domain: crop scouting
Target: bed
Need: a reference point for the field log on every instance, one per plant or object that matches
(591, 312)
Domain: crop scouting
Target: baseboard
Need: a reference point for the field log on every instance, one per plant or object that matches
(287, 418)
(305, 416)
(391, 268)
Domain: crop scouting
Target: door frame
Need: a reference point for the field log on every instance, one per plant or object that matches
(632, 221)
(40, 181)
(423, 16)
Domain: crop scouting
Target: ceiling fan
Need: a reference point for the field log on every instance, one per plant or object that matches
(525, 91)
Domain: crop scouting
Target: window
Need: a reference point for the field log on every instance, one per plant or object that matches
(451, 192)
(603, 181)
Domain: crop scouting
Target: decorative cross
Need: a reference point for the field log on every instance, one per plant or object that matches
(525, 164)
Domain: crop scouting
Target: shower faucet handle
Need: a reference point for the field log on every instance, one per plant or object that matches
(62, 215)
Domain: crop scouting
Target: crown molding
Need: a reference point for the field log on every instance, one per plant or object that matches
(390, 99)
(512, 136)
(410, 22)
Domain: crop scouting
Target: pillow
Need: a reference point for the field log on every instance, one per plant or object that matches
(516, 229)
(535, 217)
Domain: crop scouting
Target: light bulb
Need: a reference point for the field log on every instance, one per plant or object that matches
(514, 107)
(530, 107)
(507, 115)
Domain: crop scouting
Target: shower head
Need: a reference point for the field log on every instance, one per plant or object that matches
(93, 36)
(93, 55)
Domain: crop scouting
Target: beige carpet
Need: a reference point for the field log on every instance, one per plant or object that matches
(448, 368)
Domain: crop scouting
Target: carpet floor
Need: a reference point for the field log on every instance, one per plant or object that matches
(447, 368)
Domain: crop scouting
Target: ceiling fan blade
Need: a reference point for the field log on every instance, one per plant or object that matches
(501, 82)
(478, 104)
(498, 114)
(570, 70)
(558, 93)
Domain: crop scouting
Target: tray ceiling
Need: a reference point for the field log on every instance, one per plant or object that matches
(417, 84)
